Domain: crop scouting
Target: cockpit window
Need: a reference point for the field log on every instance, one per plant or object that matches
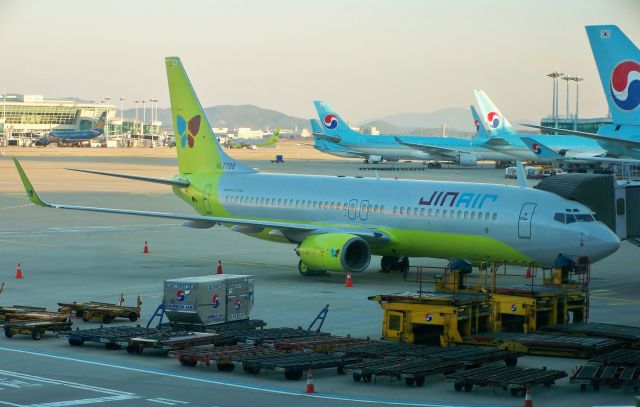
(570, 218)
(583, 217)
(559, 217)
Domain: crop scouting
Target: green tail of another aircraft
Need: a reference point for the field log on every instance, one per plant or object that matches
(197, 147)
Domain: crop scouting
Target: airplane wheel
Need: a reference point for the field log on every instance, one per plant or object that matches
(387, 263)
(438, 166)
(403, 265)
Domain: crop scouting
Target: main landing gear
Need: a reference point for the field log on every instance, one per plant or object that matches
(390, 263)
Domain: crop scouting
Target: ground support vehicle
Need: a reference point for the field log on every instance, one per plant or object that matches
(35, 328)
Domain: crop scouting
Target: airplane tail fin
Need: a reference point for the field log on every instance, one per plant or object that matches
(618, 62)
(332, 123)
(197, 147)
(497, 124)
(101, 121)
(481, 131)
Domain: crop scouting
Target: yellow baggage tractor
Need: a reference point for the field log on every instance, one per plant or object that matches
(433, 318)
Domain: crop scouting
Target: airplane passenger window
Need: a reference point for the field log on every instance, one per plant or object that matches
(473, 215)
(466, 215)
(273, 201)
(444, 213)
(430, 212)
(375, 208)
(402, 210)
(381, 208)
(437, 212)
(559, 217)
(297, 203)
(452, 214)
(261, 201)
(421, 211)
(494, 217)
(395, 209)
(326, 204)
(459, 214)
(279, 201)
(486, 216)
(479, 215)
(333, 205)
(415, 211)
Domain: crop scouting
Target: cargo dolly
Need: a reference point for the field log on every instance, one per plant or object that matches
(620, 357)
(547, 344)
(113, 337)
(35, 328)
(412, 371)
(259, 336)
(315, 343)
(22, 313)
(613, 376)
(102, 311)
(514, 379)
(293, 364)
(629, 334)
(223, 357)
(168, 341)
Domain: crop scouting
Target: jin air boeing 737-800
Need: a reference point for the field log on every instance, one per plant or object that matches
(338, 223)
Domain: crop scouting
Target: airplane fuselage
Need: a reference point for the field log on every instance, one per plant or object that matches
(481, 222)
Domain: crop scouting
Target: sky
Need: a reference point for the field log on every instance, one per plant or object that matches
(368, 59)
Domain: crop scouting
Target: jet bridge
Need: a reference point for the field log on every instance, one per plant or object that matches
(615, 203)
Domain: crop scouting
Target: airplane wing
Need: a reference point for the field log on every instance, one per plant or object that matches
(293, 231)
(431, 149)
(177, 182)
(594, 136)
(545, 152)
(333, 139)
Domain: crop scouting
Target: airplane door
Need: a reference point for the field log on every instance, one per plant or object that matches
(524, 221)
(206, 205)
(364, 214)
(353, 209)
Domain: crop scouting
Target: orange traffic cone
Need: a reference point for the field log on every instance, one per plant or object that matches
(146, 247)
(527, 399)
(19, 271)
(310, 387)
(349, 283)
(219, 270)
(529, 273)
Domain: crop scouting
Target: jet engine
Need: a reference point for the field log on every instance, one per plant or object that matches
(468, 159)
(335, 252)
(374, 158)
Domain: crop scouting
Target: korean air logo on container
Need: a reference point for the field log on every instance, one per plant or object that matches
(514, 307)
(493, 118)
(625, 85)
(215, 301)
(330, 121)
(428, 317)
(181, 295)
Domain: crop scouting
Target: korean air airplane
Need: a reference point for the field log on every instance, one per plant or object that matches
(504, 138)
(618, 62)
(338, 223)
(321, 143)
(393, 148)
(74, 136)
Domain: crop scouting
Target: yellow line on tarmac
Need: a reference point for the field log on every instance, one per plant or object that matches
(20, 242)
(17, 206)
(624, 300)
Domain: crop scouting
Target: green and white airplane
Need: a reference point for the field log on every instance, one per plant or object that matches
(338, 223)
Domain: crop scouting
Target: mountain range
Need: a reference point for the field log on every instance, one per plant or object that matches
(457, 119)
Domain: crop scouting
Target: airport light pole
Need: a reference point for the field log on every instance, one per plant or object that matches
(135, 123)
(567, 78)
(122, 115)
(555, 75)
(577, 80)
(144, 115)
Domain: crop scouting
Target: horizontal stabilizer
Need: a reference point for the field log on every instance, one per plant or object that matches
(166, 181)
(594, 136)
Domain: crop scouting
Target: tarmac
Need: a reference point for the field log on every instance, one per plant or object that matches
(75, 256)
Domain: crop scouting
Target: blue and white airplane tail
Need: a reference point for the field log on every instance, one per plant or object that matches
(332, 123)
(497, 124)
(481, 131)
(618, 61)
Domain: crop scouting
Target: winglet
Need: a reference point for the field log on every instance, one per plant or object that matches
(521, 175)
(33, 196)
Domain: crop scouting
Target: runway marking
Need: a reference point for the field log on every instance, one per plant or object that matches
(79, 402)
(272, 390)
(623, 300)
(169, 402)
(15, 207)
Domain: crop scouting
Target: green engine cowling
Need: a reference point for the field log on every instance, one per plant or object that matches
(335, 252)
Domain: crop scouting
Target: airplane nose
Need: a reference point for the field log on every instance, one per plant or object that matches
(603, 242)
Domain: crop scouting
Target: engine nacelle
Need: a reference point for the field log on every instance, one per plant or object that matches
(469, 159)
(335, 252)
(375, 158)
